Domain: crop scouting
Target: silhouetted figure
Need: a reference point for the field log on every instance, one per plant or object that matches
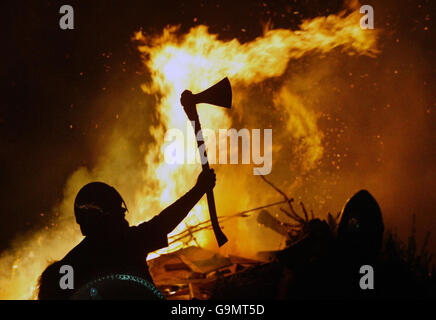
(359, 242)
(111, 247)
(360, 230)
(324, 266)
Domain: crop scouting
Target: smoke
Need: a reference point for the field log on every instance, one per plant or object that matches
(338, 126)
(268, 93)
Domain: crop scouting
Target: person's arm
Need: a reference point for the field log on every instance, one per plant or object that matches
(49, 288)
(152, 235)
(171, 216)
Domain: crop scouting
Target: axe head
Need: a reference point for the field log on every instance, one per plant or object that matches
(220, 94)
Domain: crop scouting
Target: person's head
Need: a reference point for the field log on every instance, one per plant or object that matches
(360, 229)
(99, 209)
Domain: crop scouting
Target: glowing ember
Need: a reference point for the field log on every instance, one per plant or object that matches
(195, 61)
(199, 59)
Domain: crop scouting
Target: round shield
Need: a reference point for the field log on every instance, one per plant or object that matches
(118, 287)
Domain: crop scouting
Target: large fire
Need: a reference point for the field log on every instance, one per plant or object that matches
(195, 61)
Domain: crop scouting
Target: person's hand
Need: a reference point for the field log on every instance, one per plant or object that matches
(206, 180)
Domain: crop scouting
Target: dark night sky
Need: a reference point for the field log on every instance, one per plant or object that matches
(50, 77)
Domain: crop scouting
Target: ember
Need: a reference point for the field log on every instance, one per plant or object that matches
(331, 92)
(195, 60)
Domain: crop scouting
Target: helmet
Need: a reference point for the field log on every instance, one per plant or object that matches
(94, 201)
(361, 226)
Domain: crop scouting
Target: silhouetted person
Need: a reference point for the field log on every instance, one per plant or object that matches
(359, 242)
(110, 245)
(360, 231)
(323, 266)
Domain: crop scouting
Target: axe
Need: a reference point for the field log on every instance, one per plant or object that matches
(220, 95)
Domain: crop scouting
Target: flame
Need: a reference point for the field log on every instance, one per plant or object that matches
(195, 61)
(198, 59)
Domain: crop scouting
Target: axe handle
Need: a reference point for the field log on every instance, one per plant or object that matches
(219, 235)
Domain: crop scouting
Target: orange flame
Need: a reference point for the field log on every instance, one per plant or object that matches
(195, 61)
(199, 59)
